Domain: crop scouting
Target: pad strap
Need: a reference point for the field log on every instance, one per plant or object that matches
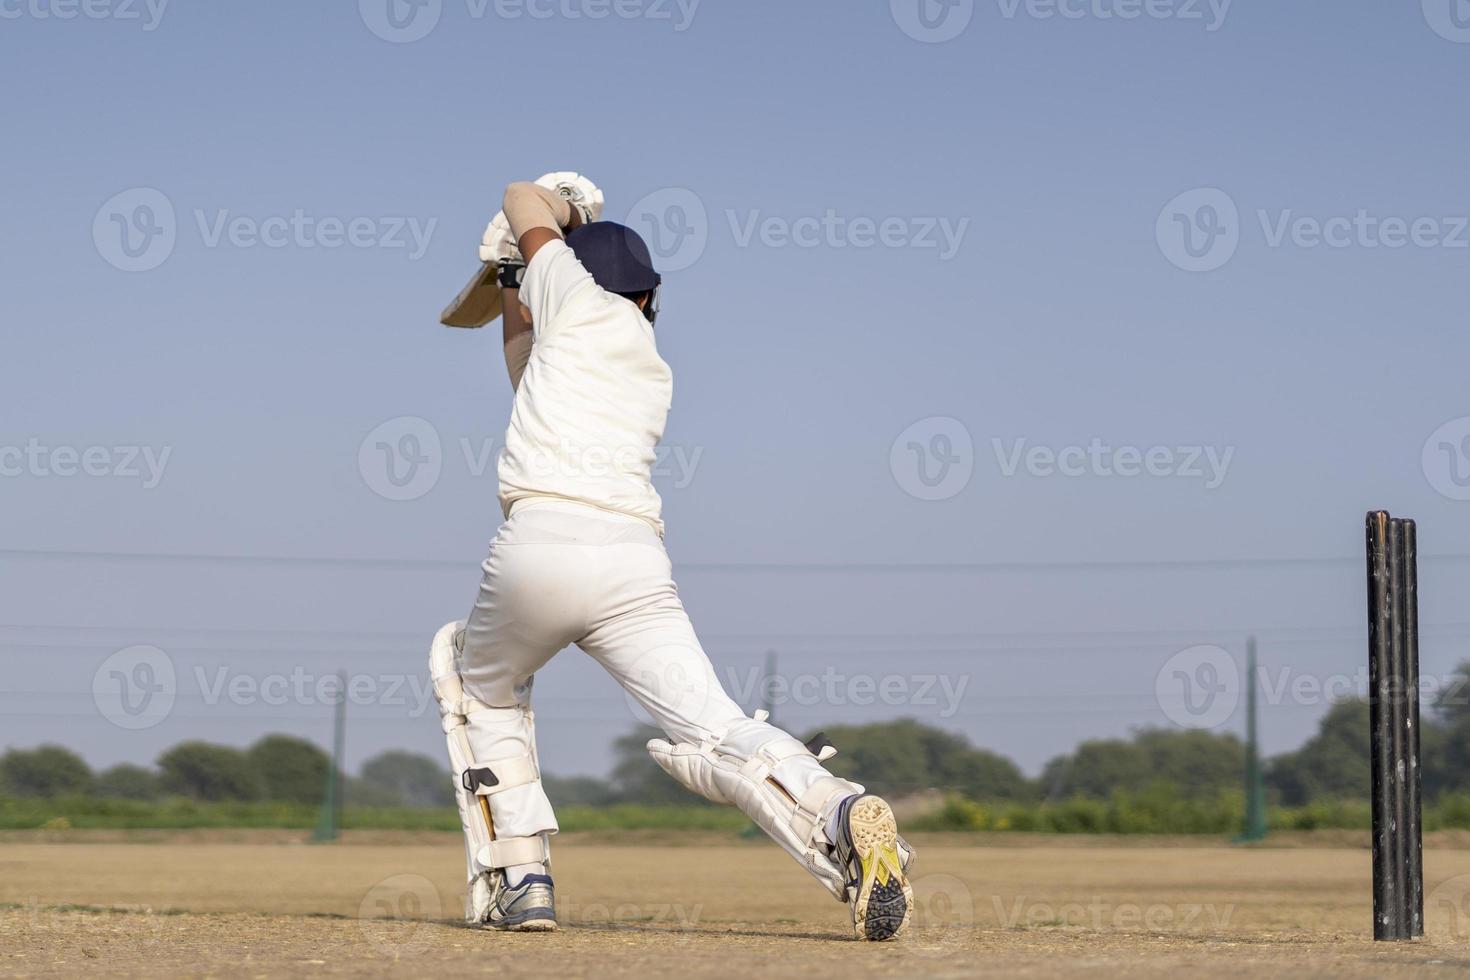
(499, 775)
(816, 799)
(506, 852)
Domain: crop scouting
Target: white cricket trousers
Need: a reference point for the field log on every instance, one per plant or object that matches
(561, 573)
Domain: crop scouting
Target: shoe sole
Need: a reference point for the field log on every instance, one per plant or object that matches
(529, 925)
(885, 900)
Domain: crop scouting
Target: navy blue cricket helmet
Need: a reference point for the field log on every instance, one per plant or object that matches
(617, 257)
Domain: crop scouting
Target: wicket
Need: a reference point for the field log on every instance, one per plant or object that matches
(1393, 699)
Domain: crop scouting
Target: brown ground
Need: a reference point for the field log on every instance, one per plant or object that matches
(263, 905)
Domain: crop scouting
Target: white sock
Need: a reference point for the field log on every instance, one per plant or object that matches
(516, 873)
(834, 827)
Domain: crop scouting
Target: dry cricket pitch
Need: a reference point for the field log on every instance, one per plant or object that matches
(262, 904)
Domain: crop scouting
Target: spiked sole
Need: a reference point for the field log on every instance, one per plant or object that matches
(884, 898)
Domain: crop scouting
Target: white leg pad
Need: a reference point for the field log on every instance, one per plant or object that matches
(474, 779)
(773, 779)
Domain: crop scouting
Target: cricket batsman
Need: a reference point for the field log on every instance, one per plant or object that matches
(580, 561)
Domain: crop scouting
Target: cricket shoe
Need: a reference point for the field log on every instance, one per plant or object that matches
(528, 906)
(876, 859)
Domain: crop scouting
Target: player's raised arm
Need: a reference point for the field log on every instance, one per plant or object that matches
(548, 209)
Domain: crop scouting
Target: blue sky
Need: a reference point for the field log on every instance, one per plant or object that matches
(927, 303)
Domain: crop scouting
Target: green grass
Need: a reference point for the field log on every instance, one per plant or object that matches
(82, 812)
(1158, 812)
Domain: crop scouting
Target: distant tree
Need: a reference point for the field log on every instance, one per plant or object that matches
(636, 778)
(128, 782)
(1444, 757)
(1200, 764)
(584, 790)
(1095, 769)
(903, 757)
(1196, 764)
(290, 769)
(1332, 765)
(398, 778)
(205, 771)
(49, 770)
(1452, 702)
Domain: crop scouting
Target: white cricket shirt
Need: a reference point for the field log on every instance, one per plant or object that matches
(593, 402)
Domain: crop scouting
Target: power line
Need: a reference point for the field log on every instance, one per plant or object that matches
(425, 564)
